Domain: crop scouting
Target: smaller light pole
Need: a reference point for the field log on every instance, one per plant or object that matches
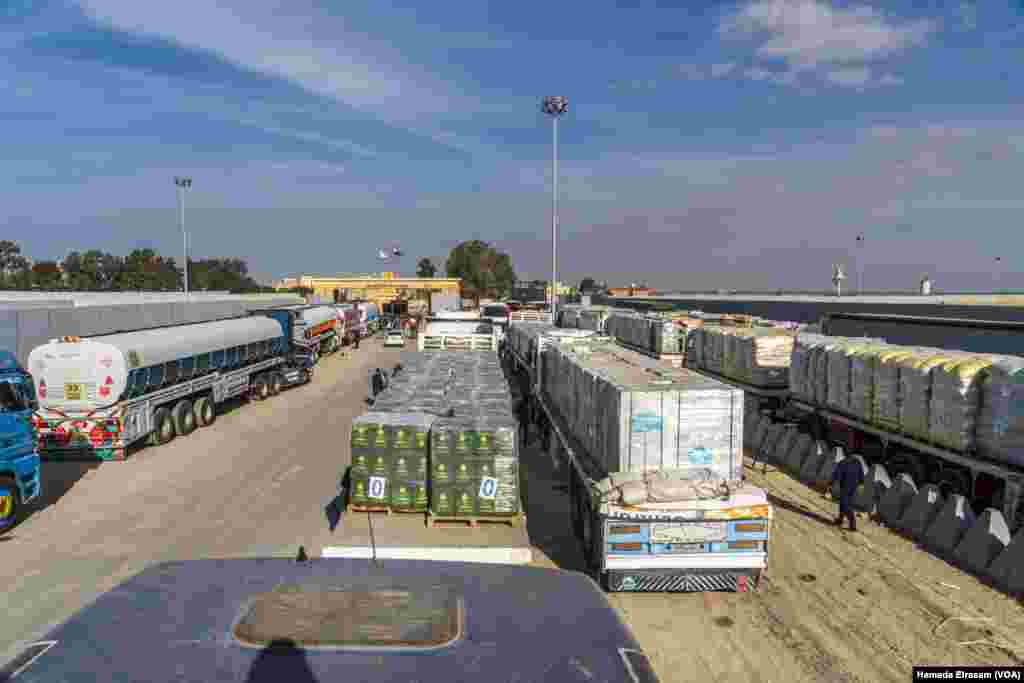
(183, 184)
(554, 106)
(860, 265)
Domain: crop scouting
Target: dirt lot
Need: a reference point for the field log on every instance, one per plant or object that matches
(835, 607)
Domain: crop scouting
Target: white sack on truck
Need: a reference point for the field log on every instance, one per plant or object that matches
(801, 365)
(956, 393)
(768, 353)
(863, 366)
(916, 389)
(1000, 426)
(886, 396)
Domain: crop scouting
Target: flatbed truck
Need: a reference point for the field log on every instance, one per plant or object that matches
(632, 549)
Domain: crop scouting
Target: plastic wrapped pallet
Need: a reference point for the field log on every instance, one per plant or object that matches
(886, 395)
(801, 369)
(863, 366)
(390, 460)
(766, 357)
(840, 373)
(1000, 427)
(695, 348)
(474, 467)
(633, 413)
(956, 393)
(915, 372)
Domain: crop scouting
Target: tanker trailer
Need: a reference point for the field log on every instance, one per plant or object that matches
(98, 396)
(311, 329)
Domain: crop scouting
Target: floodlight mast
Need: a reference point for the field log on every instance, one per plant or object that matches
(554, 106)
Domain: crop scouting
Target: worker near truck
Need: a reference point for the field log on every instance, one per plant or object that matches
(849, 474)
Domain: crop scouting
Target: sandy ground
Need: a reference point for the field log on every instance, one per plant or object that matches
(835, 607)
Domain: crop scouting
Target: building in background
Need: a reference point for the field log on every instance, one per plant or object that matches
(377, 288)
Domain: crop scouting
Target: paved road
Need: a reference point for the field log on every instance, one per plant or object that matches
(835, 607)
(253, 485)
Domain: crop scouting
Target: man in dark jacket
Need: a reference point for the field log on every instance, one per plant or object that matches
(358, 336)
(849, 475)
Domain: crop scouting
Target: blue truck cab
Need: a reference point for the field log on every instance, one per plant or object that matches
(19, 459)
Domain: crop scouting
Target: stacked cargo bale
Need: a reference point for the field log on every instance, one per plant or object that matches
(633, 413)
(956, 393)
(887, 397)
(767, 355)
(1000, 425)
(656, 334)
(594, 319)
(863, 368)
(802, 371)
(915, 373)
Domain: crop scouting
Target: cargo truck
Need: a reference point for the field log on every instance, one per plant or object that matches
(985, 479)
(620, 436)
(101, 395)
(19, 461)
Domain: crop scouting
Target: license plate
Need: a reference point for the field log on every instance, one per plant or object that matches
(698, 532)
(72, 392)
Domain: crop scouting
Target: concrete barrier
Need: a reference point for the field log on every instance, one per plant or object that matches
(875, 486)
(782, 445)
(922, 511)
(983, 542)
(1007, 570)
(799, 448)
(813, 461)
(771, 438)
(949, 527)
(760, 431)
(896, 500)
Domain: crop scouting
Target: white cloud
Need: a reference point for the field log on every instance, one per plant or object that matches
(691, 71)
(808, 33)
(782, 78)
(967, 14)
(855, 77)
(889, 79)
(323, 55)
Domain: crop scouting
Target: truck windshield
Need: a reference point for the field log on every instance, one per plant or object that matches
(11, 399)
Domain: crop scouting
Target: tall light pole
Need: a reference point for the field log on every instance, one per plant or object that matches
(182, 185)
(554, 106)
(860, 265)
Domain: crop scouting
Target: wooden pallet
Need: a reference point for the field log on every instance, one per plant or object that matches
(512, 520)
(381, 508)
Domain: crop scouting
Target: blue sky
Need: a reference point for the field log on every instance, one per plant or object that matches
(722, 145)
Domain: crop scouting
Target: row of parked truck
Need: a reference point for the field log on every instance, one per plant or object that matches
(98, 397)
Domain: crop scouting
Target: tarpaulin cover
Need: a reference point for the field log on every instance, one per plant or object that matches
(1000, 425)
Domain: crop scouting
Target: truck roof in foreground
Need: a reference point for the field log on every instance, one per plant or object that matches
(329, 619)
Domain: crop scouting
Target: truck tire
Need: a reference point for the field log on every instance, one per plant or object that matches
(275, 382)
(205, 410)
(10, 503)
(260, 390)
(163, 428)
(184, 417)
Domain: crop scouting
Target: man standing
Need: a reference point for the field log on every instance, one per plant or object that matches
(849, 474)
(358, 336)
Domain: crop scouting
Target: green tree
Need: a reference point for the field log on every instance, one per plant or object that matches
(484, 270)
(14, 269)
(46, 274)
(425, 268)
(144, 269)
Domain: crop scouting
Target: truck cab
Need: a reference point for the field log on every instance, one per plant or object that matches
(19, 459)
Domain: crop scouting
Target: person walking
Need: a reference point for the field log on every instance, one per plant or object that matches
(849, 474)
(358, 337)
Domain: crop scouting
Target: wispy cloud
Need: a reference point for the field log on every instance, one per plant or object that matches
(813, 35)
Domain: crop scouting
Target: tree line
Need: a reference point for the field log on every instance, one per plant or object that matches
(142, 269)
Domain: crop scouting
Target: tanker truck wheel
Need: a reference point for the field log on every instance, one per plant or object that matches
(163, 428)
(259, 388)
(184, 417)
(10, 503)
(275, 383)
(205, 411)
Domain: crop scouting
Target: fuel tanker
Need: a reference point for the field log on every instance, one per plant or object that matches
(99, 396)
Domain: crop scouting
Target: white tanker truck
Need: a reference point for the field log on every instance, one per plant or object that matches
(100, 395)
